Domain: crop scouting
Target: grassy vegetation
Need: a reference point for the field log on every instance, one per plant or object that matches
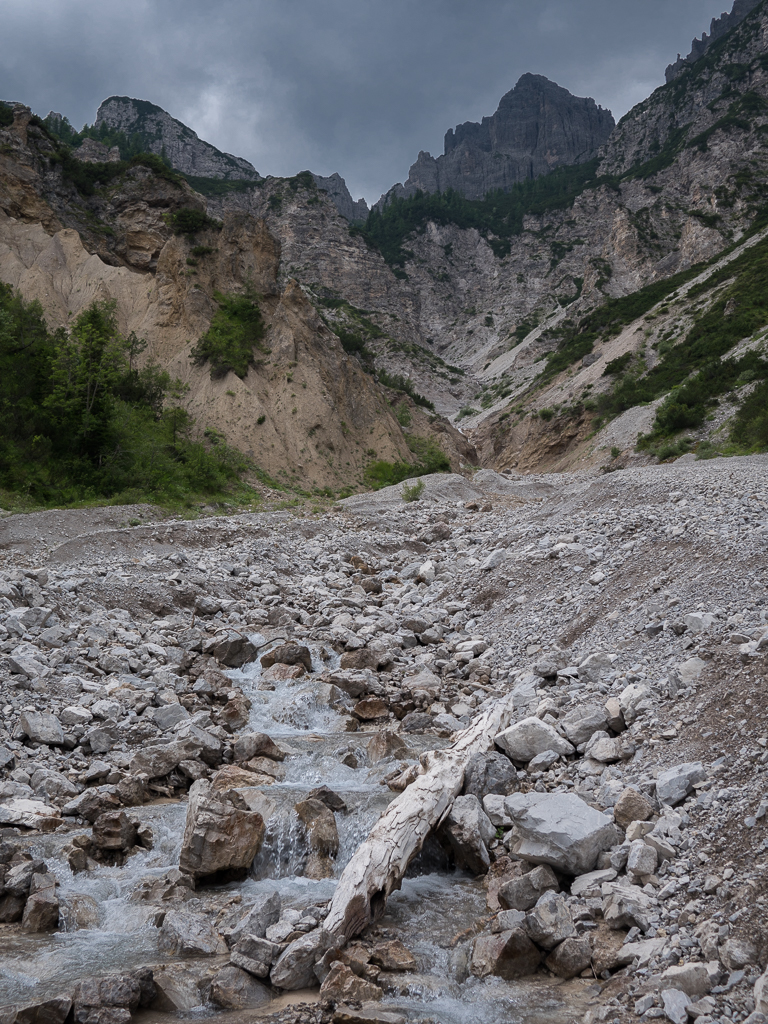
(235, 333)
(80, 423)
(87, 177)
(431, 459)
(189, 220)
(6, 115)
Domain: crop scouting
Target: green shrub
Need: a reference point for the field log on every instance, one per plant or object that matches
(403, 415)
(750, 429)
(6, 115)
(412, 492)
(189, 220)
(466, 411)
(397, 382)
(236, 330)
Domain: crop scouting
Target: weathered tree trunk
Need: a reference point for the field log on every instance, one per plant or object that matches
(379, 864)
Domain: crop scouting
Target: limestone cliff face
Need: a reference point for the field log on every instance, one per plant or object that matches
(717, 29)
(164, 135)
(337, 189)
(537, 127)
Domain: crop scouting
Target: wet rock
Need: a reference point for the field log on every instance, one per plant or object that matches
(92, 803)
(296, 966)
(674, 785)
(264, 911)
(523, 893)
(570, 958)
(256, 744)
(393, 956)
(108, 1000)
(186, 933)
(233, 649)
(387, 744)
(632, 806)
(41, 911)
(77, 910)
(342, 985)
(524, 740)
(331, 800)
(349, 1015)
(561, 830)
(235, 989)
(255, 955)
(19, 877)
(48, 1011)
(288, 654)
(114, 830)
(507, 955)
(218, 836)
(41, 727)
(323, 837)
(490, 774)
(468, 832)
(370, 709)
(179, 987)
(11, 908)
(550, 922)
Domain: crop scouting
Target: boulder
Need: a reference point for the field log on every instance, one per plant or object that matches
(393, 956)
(674, 785)
(693, 979)
(157, 761)
(295, 968)
(114, 830)
(604, 748)
(179, 987)
(41, 727)
(508, 955)
(48, 1011)
(288, 654)
(581, 723)
(561, 830)
(92, 803)
(524, 893)
(525, 739)
(255, 955)
(468, 831)
(387, 744)
(233, 649)
(234, 989)
(41, 911)
(262, 913)
(323, 834)
(594, 667)
(632, 806)
(626, 906)
(25, 813)
(642, 860)
(675, 1003)
(489, 774)
(570, 958)
(52, 786)
(256, 744)
(186, 933)
(218, 835)
(550, 921)
(343, 985)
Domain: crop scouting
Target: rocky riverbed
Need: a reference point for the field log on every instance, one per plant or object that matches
(203, 720)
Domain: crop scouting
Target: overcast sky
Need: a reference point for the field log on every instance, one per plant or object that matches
(354, 86)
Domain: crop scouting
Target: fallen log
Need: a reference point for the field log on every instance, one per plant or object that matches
(379, 864)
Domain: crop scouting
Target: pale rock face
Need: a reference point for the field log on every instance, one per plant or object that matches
(674, 785)
(218, 836)
(524, 740)
(560, 830)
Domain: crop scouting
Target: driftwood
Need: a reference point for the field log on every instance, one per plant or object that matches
(379, 864)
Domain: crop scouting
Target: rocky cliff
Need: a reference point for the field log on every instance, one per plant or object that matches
(337, 189)
(164, 135)
(717, 29)
(537, 127)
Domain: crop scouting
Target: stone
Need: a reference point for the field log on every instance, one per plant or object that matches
(233, 649)
(468, 831)
(41, 911)
(493, 805)
(41, 727)
(157, 761)
(693, 979)
(582, 722)
(592, 880)
(632, 806)
(761, 993)
(699, 622)
(626, 906)
(543, 761)
(114, 830)
(594, 667)
(295, 968)
(19, 877)
(613, 715)
(262, 913)
(234, 989)
(255, 955)
(92, 803)
(288, 654)
(49, 1011)
(256, 744)
(524, 740)
(560, 829)
(570, 958)
(632, 700)
(218, 836)
(604, 748)
(323, 834)
(331, 800)
(507, 955)
(348, 1015)
(341, 985)
(676, 1005)
(674, 785)
(179, 988)
(28, 814)
(167, 717)
(387, 744)
(393, 956)
(738, 953)
(489, 774)
(642, 860)
(523, 893)
(371, 708)
(184, 932)
(550, 921)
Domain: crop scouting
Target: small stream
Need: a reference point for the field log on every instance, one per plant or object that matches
(106, 930)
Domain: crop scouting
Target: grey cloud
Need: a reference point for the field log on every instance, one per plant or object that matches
(355, 86)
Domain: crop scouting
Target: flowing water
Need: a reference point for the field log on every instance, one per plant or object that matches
(428, 914)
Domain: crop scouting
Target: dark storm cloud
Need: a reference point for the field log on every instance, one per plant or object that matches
(355, 86)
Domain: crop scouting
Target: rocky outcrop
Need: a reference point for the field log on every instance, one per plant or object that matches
(164, 135)
(537, 127)
(337, 189)
(717, 29)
